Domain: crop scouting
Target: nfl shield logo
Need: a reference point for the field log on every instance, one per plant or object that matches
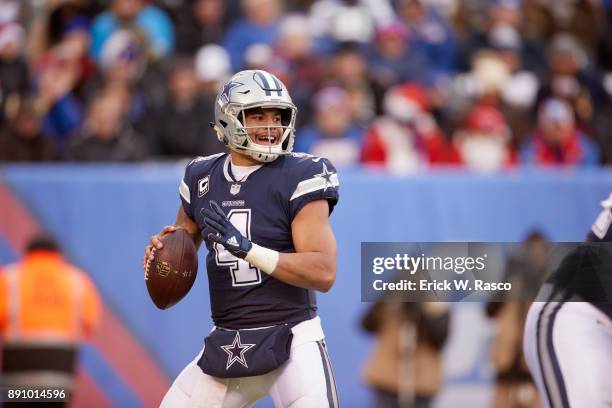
(235, 189)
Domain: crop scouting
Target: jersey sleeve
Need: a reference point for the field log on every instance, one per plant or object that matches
(185, 188)
(188, 188)
(601, 231)
(315, 179)
(192, 185)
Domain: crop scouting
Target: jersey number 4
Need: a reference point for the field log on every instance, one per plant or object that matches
(242, 272)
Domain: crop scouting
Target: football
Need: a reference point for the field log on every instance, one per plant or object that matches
(172, 272)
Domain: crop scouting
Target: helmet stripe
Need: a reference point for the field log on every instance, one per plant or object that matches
(279, 88)
(264, 82)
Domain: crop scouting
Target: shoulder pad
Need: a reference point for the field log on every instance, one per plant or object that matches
(205, 158)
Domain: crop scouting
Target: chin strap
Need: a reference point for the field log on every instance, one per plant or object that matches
(219, 133)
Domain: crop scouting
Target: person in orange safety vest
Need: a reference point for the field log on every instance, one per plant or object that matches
(47, 307)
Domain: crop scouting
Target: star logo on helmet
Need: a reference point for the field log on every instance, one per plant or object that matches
(227, 89)
(327, 176)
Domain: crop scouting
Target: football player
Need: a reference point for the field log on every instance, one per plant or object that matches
(263, 214)
(568, 338)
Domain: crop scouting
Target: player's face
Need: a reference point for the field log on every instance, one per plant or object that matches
(264, 125)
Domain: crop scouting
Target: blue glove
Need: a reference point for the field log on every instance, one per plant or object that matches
(224, 231)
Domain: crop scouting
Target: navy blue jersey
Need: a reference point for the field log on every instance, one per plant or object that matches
(262, 206)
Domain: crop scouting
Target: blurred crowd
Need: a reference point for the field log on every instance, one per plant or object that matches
(401, 84)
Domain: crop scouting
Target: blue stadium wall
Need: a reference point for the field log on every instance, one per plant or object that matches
(104, 215)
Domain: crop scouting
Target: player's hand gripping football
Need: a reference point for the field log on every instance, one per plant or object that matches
(225, 233)
(155, 244)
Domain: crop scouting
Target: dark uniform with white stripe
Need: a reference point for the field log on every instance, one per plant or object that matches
(262, 205)
(568, 338)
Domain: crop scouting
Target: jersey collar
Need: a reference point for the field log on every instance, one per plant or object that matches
(229, 176)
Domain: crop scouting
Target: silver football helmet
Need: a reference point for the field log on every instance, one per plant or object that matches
(254, 89)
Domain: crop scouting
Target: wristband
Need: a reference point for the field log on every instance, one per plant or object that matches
(263, 258)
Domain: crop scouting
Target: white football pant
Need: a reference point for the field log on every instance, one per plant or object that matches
(305, 381)
(568, 348)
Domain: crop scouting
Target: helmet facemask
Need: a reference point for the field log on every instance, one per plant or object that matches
(265, 143)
